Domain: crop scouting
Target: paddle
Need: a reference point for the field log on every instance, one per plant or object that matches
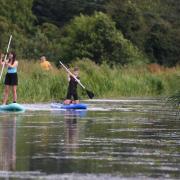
(5, 57)
(89, 93)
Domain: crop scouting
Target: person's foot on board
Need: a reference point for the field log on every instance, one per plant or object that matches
(75, 102)
(67, 102)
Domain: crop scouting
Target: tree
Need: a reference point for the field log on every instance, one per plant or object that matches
(152, 26)
(163, 45)
(96, 37)
(16, 18)
(128, 19)
(60, 12)
(18, 12)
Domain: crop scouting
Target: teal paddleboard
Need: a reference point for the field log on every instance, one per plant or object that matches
(12, 107)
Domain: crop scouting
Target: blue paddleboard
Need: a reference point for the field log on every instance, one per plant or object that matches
(70, 106)
(12, 107)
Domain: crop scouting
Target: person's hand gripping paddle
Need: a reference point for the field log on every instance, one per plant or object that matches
(89, 93)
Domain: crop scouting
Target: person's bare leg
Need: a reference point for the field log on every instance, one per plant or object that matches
(76, 102)
(14, 93)
(67, 101)
(6, 94)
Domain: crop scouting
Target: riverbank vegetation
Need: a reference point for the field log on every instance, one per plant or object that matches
(36, 85)
(123, 48)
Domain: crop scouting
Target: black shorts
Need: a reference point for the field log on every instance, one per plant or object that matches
(72, 94)
(11, 79)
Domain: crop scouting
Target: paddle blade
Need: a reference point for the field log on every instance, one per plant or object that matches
(90, 94)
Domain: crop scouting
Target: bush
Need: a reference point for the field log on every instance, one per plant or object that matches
(163, 45)
(96, 37)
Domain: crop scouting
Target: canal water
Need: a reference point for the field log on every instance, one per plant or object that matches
(112, 139)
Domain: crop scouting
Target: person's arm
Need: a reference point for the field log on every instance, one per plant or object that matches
(12, 65)
(50, 66)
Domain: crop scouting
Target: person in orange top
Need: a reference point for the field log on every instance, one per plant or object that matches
(45, 65)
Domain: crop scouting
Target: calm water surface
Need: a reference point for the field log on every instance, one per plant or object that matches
(124, 139)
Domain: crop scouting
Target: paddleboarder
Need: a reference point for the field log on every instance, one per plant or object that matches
(11, 78)
(72, 95)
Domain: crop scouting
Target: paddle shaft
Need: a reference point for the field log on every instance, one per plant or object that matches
(5, 56)
(72, 74)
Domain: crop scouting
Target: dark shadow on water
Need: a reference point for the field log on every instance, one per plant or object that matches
(68, 113)
(71, 131)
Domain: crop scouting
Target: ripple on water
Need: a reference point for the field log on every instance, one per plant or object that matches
(127, 139)
(68, 176)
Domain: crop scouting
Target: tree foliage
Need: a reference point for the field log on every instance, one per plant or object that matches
(71, 29)
(153, 26)
(163, 45)
(18, 12)
(128, 19)
(60, 12)
(97, 38)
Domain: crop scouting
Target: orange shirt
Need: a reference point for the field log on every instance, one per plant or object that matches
(45, 65)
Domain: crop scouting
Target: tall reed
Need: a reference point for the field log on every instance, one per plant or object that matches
(36, 85)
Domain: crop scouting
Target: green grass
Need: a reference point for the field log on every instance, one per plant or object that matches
(36, 85)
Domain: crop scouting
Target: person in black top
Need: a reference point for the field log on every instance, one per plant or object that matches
(72, 88)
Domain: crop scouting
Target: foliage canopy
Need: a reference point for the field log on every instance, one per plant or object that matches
(115, 31)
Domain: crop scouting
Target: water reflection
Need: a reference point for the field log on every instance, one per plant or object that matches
(71, 130)
(125, 144)
(8, 143)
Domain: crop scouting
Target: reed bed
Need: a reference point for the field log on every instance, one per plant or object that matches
(37, 85)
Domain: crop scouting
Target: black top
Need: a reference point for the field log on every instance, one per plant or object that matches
(73, 84)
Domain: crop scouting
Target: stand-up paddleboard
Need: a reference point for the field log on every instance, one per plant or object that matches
(70, 106)
(12, 107)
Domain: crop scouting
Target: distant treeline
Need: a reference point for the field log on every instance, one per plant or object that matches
(112, 31)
